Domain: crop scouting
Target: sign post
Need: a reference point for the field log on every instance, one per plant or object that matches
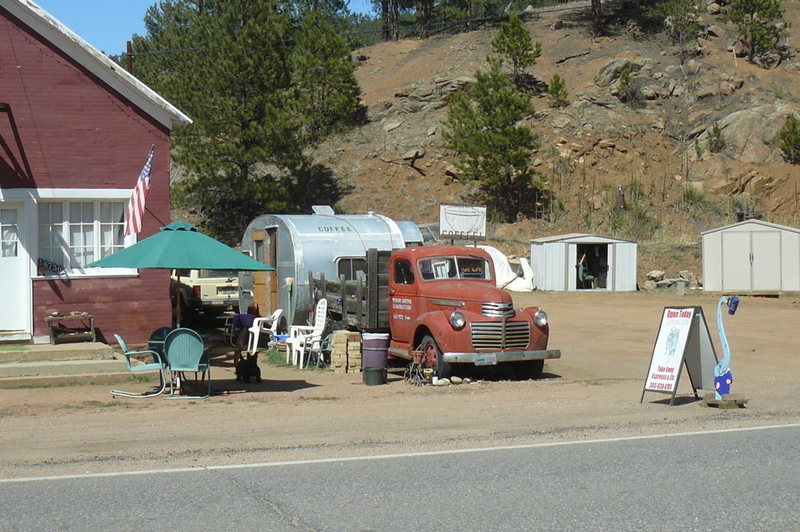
(683, 339)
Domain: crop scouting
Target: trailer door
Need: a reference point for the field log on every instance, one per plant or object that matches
(265, 285)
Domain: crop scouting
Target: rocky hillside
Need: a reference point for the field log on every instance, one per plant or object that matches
(645, 172)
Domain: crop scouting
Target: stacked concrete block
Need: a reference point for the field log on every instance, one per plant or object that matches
(346, 352)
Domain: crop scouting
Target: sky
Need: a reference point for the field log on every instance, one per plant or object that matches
(108, 24)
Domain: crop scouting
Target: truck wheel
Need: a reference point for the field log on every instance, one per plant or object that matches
(188, 316)
(432, 357)
(529, 369)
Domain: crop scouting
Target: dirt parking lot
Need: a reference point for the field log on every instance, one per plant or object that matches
(593, 391)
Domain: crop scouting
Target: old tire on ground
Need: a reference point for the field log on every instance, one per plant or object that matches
(432, 357)
(529, 369)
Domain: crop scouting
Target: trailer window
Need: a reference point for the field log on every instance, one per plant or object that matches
(350, 266)
(403, 274)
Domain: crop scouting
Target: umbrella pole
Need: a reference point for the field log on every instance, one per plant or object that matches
(178, 301)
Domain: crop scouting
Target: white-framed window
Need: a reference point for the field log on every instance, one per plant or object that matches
(9, 233)
(74, 233)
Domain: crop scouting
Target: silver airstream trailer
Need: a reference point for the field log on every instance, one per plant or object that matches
(322, 243)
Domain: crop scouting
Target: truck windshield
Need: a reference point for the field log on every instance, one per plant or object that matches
(455, 267)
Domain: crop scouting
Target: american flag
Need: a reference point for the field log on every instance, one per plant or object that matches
(133, 222)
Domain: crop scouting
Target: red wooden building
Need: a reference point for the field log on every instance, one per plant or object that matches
(75, 130)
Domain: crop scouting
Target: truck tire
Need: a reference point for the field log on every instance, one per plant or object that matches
(188, 316)
(432, 357)
(529, 369)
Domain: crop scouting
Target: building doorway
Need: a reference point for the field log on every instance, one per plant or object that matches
(16, 307)
(591, 269)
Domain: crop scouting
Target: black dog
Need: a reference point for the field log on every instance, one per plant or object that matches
(247, 369)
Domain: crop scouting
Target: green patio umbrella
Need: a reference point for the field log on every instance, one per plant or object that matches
(180, 245)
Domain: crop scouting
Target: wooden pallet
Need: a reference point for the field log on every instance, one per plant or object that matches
(727, 401)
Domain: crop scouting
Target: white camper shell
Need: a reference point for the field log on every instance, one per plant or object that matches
(322, 243)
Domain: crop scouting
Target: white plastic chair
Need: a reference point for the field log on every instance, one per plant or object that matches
(267, 325)
(303, 337)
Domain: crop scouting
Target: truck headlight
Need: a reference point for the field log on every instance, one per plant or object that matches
(540, 318)
(457, 320)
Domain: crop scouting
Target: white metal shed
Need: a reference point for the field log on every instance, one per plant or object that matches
(751, 256)
(611, 261)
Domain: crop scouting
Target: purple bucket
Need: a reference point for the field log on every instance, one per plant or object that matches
(374, 350)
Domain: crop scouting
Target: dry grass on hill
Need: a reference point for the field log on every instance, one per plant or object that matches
(590, 149)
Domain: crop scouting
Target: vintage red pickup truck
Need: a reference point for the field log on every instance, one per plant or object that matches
(441, 302)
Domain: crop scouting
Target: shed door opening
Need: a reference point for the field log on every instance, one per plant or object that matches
(591, 270)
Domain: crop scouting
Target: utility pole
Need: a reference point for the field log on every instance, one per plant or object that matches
(129, 57)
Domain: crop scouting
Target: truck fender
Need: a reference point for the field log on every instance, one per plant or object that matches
(539, 334)
(435, 323)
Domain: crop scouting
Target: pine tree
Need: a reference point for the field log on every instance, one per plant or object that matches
(597, 17)
(257, 100)
(323, 78)
(514, 42)
(494, 149)
(790, 139)
(424, 12)
(557, 92)
(760, 22)
(680, 21)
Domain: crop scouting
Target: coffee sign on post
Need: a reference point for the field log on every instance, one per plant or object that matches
(464, 222)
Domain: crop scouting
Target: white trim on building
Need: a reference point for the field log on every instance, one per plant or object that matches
(29, 200)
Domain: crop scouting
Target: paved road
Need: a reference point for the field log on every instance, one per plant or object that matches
(729, 480)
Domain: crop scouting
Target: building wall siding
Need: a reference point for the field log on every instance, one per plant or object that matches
(64, 128)
(132, 307)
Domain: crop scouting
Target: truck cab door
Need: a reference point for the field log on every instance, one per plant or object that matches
(403, 301)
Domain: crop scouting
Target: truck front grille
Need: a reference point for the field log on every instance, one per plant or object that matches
(497, 310)
(499, 335)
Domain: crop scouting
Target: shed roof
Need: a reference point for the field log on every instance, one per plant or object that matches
(743, 224)
(583, 238)
(116, 77)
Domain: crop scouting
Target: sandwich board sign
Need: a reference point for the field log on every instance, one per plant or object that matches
(683, 340)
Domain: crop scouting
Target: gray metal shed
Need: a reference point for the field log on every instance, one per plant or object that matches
(751, 256)
(611, 261)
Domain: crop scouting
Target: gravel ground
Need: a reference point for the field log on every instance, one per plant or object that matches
(593, 391)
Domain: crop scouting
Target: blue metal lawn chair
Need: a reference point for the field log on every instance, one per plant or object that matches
(318, 350)
(186, 353)
(134, 366)
(156, 341)
(584, 276)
